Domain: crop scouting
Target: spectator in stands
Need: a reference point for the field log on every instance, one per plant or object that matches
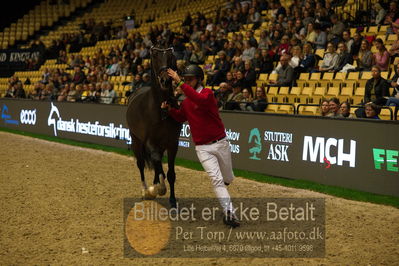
(266, 62)
(392, 14)
(235, 24)
(195, 36)
(76, 61)
(254, 18)
(393, 100)
(197, 57)
(89, 95)
(37, 90)
(62, 57)
(246, 99)
(147, 67)
(222, 66)
(372, 111)
(295, 59)
(115, 68)
(264, 41)
(324, 107)
(47, 93)
(257, 62)
(394, 25)
(10, 92)
(45, 76)
(125, 67)
(178, 48)
(187, 20)
(249, 35)
(284, 47)
(381, 57)
(222, 94)
(330, 59)
(335, 32)
(394, 50)
(110, 94)
(346, 36)
(321, 15)
(146, 80)
(19, 91)
(239, 80)
(321, 37)
(230, 79)
(307, 19)
(334, 107)
(135, 85)
(78, 76)
(345, 110)
(377, 88)
(357, 43)
(376, 91)
(379, 14)
(72, 93)
(365, 58)
(344, 57)
(311, 34)
(80, 88)
(104, 92)
(237, 64)
(259, 103)
(62, 96)
(249, 75)
(308, 61)
(299, 29)
(234, 98)
(285, 74)
(249, 51)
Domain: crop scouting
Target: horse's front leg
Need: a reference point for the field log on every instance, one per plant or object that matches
(138, 150)
(159, 187)
(172, 175)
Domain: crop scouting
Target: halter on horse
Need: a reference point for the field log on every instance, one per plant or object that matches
(151, 132)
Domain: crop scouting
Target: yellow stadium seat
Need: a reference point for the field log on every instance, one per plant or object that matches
(282, 94)
(318, 94)
(293, 96)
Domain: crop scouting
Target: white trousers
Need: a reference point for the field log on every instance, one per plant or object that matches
(216, 160)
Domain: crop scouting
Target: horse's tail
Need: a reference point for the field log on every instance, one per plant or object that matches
(142, 152)
(146, 153)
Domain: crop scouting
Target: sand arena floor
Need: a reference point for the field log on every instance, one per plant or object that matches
(62, 205)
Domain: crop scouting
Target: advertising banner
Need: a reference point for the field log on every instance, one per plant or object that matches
(17, 57)
(356, 154)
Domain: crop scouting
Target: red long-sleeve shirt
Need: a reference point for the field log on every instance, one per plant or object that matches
(201, 111)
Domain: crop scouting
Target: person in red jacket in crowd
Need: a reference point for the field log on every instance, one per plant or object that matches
(201, 111)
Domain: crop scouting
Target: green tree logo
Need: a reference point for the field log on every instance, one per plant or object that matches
(254, 137)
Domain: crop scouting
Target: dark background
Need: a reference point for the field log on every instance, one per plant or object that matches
(15, 10)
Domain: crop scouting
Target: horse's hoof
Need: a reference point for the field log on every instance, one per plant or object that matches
(153, 190)
(161, 189)
(147, 195)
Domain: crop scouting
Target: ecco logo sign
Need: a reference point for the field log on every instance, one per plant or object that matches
(329, 150)
(28, 117)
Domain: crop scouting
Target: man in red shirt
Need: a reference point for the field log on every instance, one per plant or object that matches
(200, 109)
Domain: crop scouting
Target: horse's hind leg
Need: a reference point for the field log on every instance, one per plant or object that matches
(172, 175)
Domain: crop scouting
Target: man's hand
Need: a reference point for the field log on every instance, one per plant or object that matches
(165, 105)
(173, 75)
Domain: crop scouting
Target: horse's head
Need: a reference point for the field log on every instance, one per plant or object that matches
(161, 60)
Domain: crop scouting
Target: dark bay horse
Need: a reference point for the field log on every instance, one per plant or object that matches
(152, 132)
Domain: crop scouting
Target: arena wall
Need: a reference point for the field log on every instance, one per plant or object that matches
(356, 154)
